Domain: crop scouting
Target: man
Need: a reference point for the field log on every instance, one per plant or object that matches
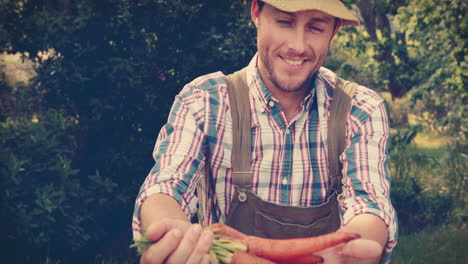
(290, 96)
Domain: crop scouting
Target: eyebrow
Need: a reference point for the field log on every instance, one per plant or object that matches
(321, 20)
(315, 19)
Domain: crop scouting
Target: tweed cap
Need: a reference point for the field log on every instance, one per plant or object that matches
(332, 7)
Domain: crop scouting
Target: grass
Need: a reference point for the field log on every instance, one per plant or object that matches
(429, 140)
(430, 152)
(444, 244)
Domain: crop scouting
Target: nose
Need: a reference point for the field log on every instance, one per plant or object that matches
(297, 41)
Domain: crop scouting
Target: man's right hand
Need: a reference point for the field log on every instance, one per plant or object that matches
(177, 241)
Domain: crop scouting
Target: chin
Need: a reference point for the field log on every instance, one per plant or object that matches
(293, 84)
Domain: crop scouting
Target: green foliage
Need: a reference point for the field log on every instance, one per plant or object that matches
(379, 55)
(418, 208)
(428, 187)
(412, 46)
(441, 245)
(398, 112)
(117, 65)
(112, 68)
(5, 90)
(455, 162)
(417, 205)
(39, 186)
(350, 56)
(437, 33)
(49, 208)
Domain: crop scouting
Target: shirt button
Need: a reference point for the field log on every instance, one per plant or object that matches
(287, 131)
(271, 103)
(284, 181)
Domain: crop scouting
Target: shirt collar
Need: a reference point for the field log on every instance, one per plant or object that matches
(326, 84)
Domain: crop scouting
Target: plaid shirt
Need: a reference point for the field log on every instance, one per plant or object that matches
(289, 159)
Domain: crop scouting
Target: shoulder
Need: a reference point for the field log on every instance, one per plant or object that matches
(205, 94)
(365, 103)
(363, 97)
(206, 83)
(212, 86)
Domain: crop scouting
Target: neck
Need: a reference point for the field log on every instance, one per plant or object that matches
(290, 104)
(290, 101)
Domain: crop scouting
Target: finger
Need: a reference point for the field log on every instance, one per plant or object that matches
(160, 250)
(201, 251)
(205, 259)
(332, 255)
(362, 248)
(187, 245)
(157, 230)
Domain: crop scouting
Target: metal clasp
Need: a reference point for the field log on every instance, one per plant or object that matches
(341, 199)
(242, 196)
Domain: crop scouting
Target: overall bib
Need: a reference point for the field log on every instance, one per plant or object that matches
(254, 216)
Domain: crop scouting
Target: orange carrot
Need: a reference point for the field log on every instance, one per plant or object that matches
(284, 249)
(242, 257)
(281, 250)
(309, 259)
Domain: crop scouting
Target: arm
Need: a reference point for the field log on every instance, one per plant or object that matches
(369, 227)
(165, 201)
(367, 206)
(160, 206)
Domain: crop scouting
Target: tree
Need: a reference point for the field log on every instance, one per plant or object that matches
(437, 34)
(112, 69)
(386, 44)
(415, 48)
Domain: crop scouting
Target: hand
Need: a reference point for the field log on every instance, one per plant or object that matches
(177, 241)
(356, 251)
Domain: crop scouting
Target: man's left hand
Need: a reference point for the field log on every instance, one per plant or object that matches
(356, 251)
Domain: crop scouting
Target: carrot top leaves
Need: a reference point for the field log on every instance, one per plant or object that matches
(142, 244)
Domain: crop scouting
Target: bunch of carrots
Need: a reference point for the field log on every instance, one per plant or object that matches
(231, 246)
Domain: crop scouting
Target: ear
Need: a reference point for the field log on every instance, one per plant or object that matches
(337, 28)
(254, 12)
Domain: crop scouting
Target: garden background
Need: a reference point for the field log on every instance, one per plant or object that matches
(85, 86)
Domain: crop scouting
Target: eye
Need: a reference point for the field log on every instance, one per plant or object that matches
(283, 22)
(315, 28)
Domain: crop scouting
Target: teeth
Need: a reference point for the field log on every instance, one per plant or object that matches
(294, 62)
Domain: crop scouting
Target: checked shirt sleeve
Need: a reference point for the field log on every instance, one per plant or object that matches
(178, 154)
(366, 178)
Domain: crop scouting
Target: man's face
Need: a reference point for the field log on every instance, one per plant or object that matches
(291, 46)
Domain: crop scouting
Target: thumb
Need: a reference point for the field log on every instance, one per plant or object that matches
(362, 248)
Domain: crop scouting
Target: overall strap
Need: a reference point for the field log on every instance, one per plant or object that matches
(238, 93)
(340, 107)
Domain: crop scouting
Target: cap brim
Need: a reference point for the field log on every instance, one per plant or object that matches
(334, 8)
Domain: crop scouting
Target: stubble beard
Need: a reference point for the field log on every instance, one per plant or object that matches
(282, 85)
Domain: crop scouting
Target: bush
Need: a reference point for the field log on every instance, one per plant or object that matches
(455, 162)
(115, 67)
(418, 205)
(418, 208)
(45, 204)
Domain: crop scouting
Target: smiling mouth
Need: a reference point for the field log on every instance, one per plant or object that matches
(294, 62)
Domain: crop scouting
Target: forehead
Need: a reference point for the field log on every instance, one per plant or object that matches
(315, 15)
